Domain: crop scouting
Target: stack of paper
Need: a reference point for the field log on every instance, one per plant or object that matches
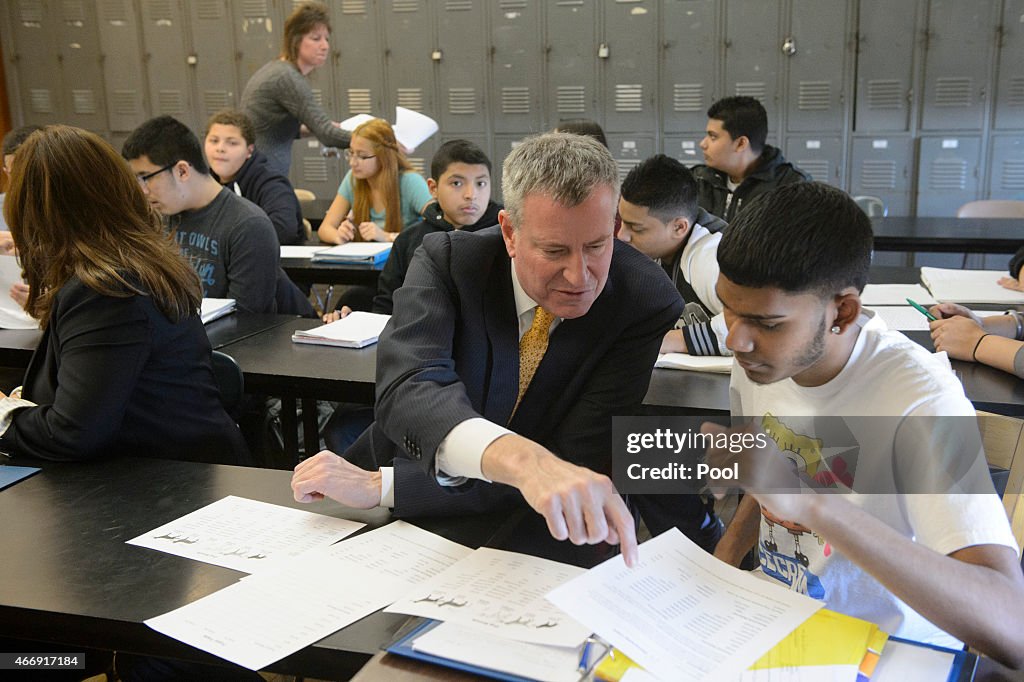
(356, 330)
(301, 251)
(355, 253)
(213, 308)
(968, 286)
(698, 363)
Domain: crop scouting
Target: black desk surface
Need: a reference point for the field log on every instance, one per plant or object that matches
(955, 235)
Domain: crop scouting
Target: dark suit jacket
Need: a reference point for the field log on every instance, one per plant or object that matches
(451, 353)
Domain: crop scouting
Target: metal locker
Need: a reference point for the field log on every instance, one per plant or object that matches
(631, 65)
(503, 145)
(163, 35)
(817, 65)
(213, 47)
(689, 65)
(820, 155)
(571, 51)
(947, 174)
(516, 66)
(880, 166)
(313, 170)
(120, 40)
(752, 52)
(358, 68)
(33, 61)
(630, 150)
(685, 147)
(885, 64)
(409, 52)
(79, 46)
(462, 42)
(1009, 102)
(959, 51)
(258, 30)
(420, 158)
(1006, 164)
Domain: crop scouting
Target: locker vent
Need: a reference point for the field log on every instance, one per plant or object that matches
(755, 89)
(314, 169)
(818, 168)
(626, 165)
(1016, 92)
(353, 6)
(571, 99)
(74, 12)
(627, 2)
(359, 101)
(30, 13)
(687, 97)
(40, 101)
(458, 5)
(814, 96)
(509, 5)
(419, 164)
(126, 102)
(953, 92)
(210, 9)
(947, 174)
(629, 98)
(405, 5)
(170, 102)
(83, 101)
(569, 3)
(884, 94)
(411, 98)
(115, 12)
(878, 175)
(215, 100)
(1013, 176)
(515, 100)
(255, 9)
(160, 10)
(461, 100)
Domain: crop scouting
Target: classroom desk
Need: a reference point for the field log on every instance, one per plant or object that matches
(948, 235)
(302, 270)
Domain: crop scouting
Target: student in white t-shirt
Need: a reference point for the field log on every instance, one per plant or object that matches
(937, 567)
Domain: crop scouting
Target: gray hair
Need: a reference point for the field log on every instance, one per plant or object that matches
(565, 167)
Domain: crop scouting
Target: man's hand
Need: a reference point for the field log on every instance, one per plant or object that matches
(336, 315)
(944, 311)
(577, 503)
(673, 342)
(328, 475)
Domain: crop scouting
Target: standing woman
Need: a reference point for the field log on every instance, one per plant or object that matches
(278, 98)
(123, 366)
(382, 191)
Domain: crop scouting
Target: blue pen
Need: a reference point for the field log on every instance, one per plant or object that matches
(920, 308)
(584, 665)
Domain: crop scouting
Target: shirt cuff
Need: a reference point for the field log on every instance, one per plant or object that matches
(460, 454)
(387, 486)
(7, 408)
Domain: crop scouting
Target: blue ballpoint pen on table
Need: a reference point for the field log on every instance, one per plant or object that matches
(921, 309)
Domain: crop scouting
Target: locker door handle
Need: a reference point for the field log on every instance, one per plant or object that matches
(789, 46)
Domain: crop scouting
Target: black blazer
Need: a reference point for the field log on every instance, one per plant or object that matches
(114, 376)
(451, 352)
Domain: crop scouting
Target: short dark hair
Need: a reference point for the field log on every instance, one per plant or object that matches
(742, 117)
(165, 140)
(15, 138)
(664, 186)
(582, 126)
(800, 238)
(457, 151)
(233, 117)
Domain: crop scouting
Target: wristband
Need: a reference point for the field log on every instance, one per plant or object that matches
(974, 354)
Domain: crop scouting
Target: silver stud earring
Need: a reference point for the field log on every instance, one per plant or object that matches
(835, 329)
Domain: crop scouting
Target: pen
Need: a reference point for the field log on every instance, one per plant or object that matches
(584, 665)
(920, 308)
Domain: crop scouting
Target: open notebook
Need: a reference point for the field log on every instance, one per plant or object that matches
(968, 286)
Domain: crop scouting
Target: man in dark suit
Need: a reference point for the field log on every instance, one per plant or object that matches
(459, 411)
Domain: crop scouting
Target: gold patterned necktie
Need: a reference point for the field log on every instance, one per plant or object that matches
(531, 349)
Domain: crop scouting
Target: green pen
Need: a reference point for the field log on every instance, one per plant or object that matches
(920, 308)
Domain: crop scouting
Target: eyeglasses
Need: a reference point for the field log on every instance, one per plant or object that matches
(143, 179)
(352, 156)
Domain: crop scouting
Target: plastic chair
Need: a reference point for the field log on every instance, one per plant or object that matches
(873, 207)
(991, 208)
(304, 195)
(230, 382)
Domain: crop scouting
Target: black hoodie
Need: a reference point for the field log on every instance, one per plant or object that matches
(772, 171)
(258, 182)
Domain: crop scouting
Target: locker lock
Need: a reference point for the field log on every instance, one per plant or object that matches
(789, 47)
(436, 55)
(603, 51)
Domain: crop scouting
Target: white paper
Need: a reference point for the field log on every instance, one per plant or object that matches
(356, 330)
(895, 294)
(354, 122)
(289, 251)
(681, 613)
(969, 286)
(245, 535)
(412, 127)
(502, 593)
(477, 648)
(805, 673)
(902, 662)
(901, 318)
(213, 308)
(12, 315)
(271, 615)
(697, 363)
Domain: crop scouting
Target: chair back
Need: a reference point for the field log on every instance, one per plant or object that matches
(873, 207)
(230, 382)
(1003, 438)
(304, 195)
(991, 208)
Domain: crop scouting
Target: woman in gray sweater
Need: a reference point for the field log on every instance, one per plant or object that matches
(278, 97)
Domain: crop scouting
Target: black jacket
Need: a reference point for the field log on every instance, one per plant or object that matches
(258, 182)
(772, 171)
